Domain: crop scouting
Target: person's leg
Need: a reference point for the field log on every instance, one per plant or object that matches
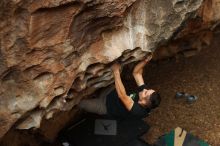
(105, 91)
(96, 105)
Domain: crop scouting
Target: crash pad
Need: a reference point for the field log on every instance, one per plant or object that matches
(128, 132)
(179, 137)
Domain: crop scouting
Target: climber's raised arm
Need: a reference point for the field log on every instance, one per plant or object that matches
(138, 70)
(126, 100)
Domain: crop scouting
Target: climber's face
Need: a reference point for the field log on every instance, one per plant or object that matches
(144, 97)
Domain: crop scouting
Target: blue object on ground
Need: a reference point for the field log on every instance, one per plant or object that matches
(189, 98)
(179, 95)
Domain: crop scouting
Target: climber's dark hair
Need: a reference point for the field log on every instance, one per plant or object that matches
(155, 100)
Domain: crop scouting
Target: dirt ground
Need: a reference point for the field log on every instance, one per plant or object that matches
(197, 75)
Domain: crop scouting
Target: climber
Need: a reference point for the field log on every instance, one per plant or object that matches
(115, 102)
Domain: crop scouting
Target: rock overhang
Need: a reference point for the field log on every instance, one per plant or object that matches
(55, 52)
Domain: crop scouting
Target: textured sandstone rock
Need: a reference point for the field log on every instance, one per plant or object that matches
(55, 52)
(210, 11)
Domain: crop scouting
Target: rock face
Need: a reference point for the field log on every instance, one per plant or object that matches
(53, 53)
